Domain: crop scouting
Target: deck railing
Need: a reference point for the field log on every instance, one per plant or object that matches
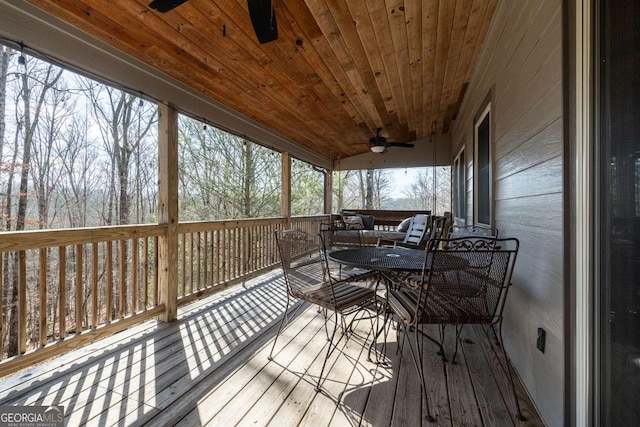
(221, 253)
(74, 286)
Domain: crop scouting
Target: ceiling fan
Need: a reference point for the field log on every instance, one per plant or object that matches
(379, 143)
(262, 15)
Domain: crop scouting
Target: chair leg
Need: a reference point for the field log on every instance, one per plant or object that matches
(455, 352)
(441, 343)
(326, 319)
(400, 338)
(282, 323)
(379, 329)
(507, 367)
(416, 355)
(330, 348)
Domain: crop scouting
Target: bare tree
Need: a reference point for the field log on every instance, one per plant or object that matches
(122, 130)
(36, 83)
(363, 189)
(431, 190)
(307, 189)
(225, 176)
(5, 56)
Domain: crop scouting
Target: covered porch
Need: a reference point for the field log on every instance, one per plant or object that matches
(210, 367)
(502, 91)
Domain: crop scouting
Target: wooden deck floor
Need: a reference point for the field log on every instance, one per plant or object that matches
(211, 368)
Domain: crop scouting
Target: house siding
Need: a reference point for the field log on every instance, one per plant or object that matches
(520, 71)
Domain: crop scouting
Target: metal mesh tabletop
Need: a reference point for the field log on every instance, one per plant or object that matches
(383, 259)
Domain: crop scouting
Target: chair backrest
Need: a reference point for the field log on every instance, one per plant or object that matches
(304, 263)
(336, 235)
(435, 234)
(467, 280)
(472, 230)
(417, 230)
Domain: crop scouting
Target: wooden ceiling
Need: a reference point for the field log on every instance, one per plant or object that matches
(339, 69)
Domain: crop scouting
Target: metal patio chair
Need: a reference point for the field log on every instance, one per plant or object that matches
(307, 278)
(464, 282)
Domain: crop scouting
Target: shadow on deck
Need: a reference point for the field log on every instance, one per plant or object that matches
(210, 368)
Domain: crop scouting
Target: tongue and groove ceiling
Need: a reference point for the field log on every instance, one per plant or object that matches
(338, 70)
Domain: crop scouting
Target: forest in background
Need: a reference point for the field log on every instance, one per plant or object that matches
(75, 152)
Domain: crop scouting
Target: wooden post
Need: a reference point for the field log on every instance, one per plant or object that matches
(328, 192)
(168, 210)
(285, 199)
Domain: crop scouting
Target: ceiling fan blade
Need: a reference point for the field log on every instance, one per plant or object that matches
(164, 6)
(400, 144)
(263, 19)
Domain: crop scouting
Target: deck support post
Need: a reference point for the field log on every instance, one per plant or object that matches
(328, 192)
(168, 210)
(285, 198)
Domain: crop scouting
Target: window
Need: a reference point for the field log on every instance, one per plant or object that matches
(459, 178)
(482, 168)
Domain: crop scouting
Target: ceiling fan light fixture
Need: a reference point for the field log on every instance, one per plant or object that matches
(378, 148)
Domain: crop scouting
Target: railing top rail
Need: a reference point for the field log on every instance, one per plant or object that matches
(194, 226)
(36, 239)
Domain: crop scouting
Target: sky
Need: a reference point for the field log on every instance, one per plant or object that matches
(400, 178)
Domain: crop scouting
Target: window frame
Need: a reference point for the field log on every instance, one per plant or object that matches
(459, 187)
(485, 113)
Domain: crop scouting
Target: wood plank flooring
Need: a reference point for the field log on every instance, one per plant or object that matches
(211, 368)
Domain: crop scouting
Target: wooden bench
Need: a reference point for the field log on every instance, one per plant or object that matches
(385, 224)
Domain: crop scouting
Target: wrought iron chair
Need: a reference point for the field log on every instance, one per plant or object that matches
(464, 282)
(307, 278)
(328, 232)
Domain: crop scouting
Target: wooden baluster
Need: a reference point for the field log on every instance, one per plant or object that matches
(205, 245)
(43, 297)
(199, 261)
(22, 302)
(225, 255)
(191, 276)
(62, 291)
(145, 273)
(134, 275)
(233, 248)
(156, 268)
(79, 288)
(94, 285)
(217, 267)
(184, 264)
(109, 284)
(122, 300)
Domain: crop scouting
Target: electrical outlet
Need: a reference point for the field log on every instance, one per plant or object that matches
(542, 335)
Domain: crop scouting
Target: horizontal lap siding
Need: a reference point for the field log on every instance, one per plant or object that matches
(521, 67)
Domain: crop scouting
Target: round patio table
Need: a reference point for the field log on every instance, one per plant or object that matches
(381, 259)
(390, 263)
